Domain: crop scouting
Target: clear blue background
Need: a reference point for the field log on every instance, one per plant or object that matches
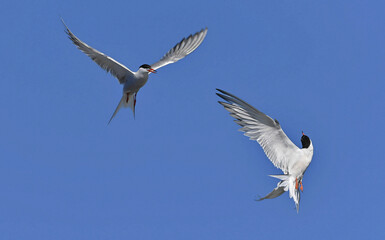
(181, 170)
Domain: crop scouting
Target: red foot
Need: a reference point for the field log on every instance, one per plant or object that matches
(301, 186)
(296, 184)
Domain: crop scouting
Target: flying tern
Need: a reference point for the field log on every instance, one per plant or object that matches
(281, 151)
(133, 81)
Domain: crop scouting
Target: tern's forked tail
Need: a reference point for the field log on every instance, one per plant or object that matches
(287, 183)
(127, 100)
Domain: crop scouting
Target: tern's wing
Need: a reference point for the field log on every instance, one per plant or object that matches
(110, 65)
(182, 49)
(262, 128)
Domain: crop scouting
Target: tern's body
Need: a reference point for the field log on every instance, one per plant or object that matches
(300, 161)
(133, 81)
(281, 151)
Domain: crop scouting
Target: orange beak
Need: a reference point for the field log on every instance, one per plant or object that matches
(152, 70)
(303, 134)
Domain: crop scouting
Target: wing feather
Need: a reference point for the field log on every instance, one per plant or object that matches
(182, 49)
(261, 128)
(117, 69)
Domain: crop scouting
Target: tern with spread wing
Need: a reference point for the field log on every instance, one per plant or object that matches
(133, 81)
(281, 151)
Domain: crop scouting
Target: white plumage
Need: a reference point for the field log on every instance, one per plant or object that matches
(133, 81)
(281, 151)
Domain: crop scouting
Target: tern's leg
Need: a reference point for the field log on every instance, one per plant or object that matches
(301, 186)
(127, 97)
(296, 183)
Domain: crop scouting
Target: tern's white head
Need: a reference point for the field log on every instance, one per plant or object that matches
(147, 68)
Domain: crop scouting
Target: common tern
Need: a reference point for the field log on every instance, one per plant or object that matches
(281, 151)
(133, 81)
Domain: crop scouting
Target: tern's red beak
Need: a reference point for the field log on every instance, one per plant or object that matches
(303, 134)
(152, 70)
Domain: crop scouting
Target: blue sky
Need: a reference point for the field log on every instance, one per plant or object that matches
(181, 170)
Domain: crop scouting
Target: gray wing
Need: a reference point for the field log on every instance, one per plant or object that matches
(110, 65)
(182, 49)
(262, 128)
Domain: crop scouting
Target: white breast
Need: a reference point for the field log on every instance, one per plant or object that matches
(135, 82)
(299, 165)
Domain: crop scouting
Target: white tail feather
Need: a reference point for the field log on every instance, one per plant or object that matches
(288, 183)
(127, 100)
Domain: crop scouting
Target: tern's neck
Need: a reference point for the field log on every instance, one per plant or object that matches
(142, 73)
(309, 150)
(142, 70)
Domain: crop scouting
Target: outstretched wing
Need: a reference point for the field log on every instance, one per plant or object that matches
(110, 65)
(182, 49)
(262, 128)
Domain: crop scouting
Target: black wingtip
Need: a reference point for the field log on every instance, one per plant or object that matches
(220, 90)
(225, 93)
(221, 103)
(66, 30)
(221, 96)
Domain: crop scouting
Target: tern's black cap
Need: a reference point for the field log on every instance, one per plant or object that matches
(305, 140)
(145, 66)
